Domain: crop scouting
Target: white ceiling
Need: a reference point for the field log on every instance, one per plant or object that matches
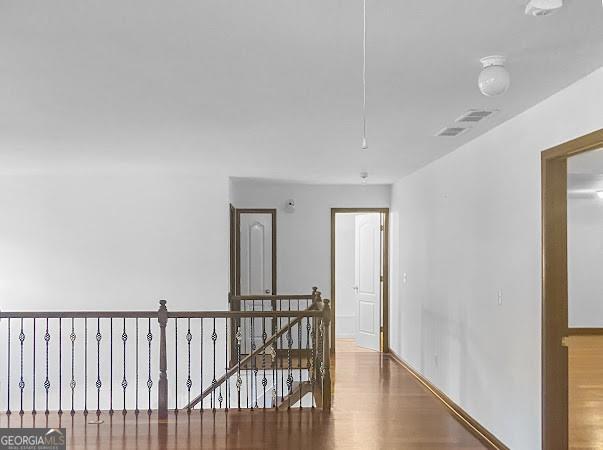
(269, 88)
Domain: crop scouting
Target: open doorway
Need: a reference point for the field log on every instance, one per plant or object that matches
(359, 281)
(572, 317)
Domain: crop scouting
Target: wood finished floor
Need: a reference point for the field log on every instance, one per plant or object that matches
(586, 392)
(377, 405)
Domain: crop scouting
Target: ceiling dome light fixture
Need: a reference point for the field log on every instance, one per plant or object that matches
(363, 177)
(494, 79)
(600, 194)
(543, 7)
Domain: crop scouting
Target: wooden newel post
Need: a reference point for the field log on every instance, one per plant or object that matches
(326, 355)
(234, 305)
(319, 305)
(163, 381)
(314, 291)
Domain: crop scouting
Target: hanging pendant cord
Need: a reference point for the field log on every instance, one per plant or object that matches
(364, 142)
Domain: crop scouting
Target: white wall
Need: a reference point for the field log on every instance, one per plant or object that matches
(346, 312)
(585, 260)
(465, 227)
(107, 241)
(304, 237)
(112, 241)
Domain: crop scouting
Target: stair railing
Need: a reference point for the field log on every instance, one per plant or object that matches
(95, 361)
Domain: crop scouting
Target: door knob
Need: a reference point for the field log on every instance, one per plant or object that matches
(267, 291)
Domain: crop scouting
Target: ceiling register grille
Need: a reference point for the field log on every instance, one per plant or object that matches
(470, 117)
(475, 115)
(452, 131)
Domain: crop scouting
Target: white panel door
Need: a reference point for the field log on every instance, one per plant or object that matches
(256, 272)
(368, 280)
(256, 253)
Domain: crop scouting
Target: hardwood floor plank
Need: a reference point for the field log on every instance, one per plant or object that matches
(376, 405)
(585, 383)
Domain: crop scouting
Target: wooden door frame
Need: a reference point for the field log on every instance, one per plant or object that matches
(385, 268)
(232, 250)
(555, 288)
(238, 212)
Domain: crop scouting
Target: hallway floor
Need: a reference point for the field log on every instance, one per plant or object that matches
(377, 405)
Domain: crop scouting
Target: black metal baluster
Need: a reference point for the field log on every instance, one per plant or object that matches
(226, 359)
(72, 338)
(239, 380)
(60, 366)
(255, 365)
(21, 381)
(274, 364)
(282, 362)
(201, 365)
(189, 382)
(33, 384)
(214, 337)
(264, 337)
(111, 366)
(136, 410)
(176, 364)
(227, 384)
(289, 372)
(249, 373)
(8, 412)
(308, 353)
(248, 385)
(299, 350)
(85, 366)
(98, 379)
(220, 398)
(124, 381)
(47, 381)
(313, 360)
(149, 380)
(320, 365)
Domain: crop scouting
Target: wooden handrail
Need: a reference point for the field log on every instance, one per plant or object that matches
(243, 314)
(271, 297)
(153, 314)
(77, 314)
(311, 296)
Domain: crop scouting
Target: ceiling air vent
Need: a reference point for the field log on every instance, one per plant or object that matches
(452, 131)
(475, 115)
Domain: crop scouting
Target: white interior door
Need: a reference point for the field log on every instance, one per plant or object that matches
(256, 271)
(368, 280)
(256, 253)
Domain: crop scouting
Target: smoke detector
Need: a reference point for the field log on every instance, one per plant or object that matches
(542, 7)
